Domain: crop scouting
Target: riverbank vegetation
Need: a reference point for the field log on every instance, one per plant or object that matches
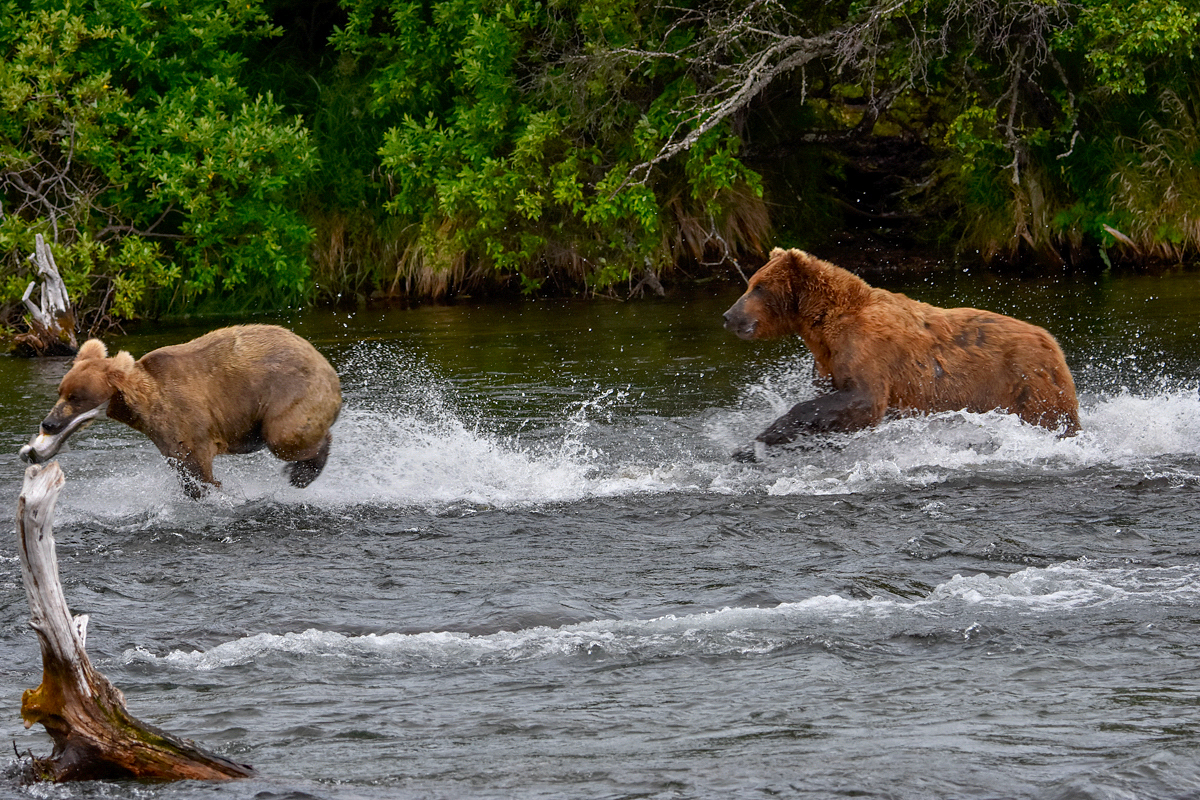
(212, 156)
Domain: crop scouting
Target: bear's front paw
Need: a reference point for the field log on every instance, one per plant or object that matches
(751, 453)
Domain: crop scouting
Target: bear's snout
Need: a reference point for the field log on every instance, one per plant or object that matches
(738, 322)
(53, 424)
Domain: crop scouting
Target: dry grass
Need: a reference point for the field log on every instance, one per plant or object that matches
(1156, 188)
(742, 229)
(362, 258)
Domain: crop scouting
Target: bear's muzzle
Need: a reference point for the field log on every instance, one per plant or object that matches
(738, 322)
(46, 444)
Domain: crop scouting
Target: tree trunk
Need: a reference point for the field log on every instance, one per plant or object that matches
(94, 736)
(52, 323)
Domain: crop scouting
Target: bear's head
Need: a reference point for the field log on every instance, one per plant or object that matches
(791, 293)
(82, 395)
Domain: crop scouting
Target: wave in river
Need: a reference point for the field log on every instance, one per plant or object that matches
(959, 610)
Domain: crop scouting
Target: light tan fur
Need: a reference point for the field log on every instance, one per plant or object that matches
(233, 390)
(883, 351)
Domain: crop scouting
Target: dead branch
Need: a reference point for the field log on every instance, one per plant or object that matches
(744, 48)
(740, 56)
(94, 736)
(52, 321)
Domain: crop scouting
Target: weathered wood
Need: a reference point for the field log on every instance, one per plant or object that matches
(94, 736)
(52, 322)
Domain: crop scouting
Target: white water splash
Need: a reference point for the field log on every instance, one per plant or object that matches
(1066, 586)
(1125, 431)
(417, 444)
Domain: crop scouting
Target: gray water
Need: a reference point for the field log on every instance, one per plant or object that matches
(531, 569)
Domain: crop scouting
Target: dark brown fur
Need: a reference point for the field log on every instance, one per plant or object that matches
(234, 390)
(883, 351)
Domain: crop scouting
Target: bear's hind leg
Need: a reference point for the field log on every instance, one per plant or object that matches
(302, 473)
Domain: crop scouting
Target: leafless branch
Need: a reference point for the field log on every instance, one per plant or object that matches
(746, 47)
(48, 183)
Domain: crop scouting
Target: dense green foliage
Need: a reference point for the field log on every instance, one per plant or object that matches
(1078, 131)
(214, 155)
(128, 139)
(509, 146)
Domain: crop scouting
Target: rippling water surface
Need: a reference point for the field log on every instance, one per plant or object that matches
(531, 569)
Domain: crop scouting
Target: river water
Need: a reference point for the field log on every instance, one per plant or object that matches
(531, 569)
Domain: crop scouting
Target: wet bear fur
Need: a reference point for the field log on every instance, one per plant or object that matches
(881, 351)
(234, 390)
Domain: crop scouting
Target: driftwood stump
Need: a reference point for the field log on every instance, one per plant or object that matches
(52, 322)
(94, 736)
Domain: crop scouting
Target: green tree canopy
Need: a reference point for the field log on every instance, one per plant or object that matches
(129, 140)
(263, 154)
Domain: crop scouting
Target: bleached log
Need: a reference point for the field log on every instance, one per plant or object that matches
(94, 736)
(52, 321)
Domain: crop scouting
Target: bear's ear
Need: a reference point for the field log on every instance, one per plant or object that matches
(776, 252)
(793, 258)
(123, 362)
(92, 348)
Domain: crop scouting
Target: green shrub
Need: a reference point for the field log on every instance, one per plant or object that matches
(127, 139)
(505, 163)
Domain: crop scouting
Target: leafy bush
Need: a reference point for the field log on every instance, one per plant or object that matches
(213, 156)
(1075, 135)
(128, 141)
(506, 157)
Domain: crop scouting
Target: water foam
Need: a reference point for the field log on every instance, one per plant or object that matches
(1065, 586)
(1125, 430)
(960, 604)
(721, 632)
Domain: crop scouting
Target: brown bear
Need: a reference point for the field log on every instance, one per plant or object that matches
(880, 351)
(234, 390)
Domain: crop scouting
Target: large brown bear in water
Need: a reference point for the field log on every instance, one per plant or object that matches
(881, 351)
(234, 390)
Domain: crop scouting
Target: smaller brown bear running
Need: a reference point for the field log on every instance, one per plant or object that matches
(880, 351)
(234, 390)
